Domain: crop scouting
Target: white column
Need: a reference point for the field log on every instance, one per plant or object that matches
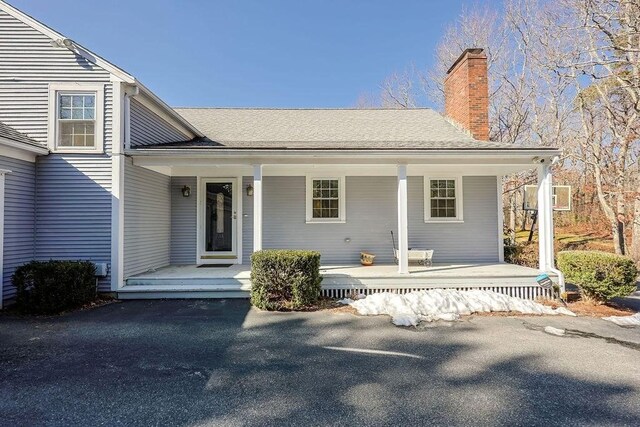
(403, 233)
(117, 188)
(545, 218)
(257, 208)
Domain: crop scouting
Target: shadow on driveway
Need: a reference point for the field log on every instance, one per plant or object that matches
(200, 362)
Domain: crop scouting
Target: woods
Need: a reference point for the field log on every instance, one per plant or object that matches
(562, 73)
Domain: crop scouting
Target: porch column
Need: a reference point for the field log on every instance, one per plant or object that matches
(545, 218)
(403, 233)
(257, 208)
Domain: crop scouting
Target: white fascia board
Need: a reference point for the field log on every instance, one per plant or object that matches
(23, 146)
(198, 156)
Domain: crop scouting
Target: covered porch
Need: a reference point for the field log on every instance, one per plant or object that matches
(170, 249)
(339, 281)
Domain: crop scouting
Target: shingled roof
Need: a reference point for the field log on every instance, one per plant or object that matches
(8, 132)
(384, 129)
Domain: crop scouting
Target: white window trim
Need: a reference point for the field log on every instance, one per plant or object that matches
(459, 218)
(54, 90)
(342, 196)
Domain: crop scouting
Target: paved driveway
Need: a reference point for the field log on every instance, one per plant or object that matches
(219, 363)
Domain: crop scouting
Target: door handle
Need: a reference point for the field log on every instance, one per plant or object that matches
(235, 215)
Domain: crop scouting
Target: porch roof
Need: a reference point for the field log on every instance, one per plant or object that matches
(328, 129)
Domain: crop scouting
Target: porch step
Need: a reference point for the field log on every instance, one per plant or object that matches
(190, 290)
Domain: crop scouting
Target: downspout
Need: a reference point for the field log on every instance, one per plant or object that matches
(130, 91)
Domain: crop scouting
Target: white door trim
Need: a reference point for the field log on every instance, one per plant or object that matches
(234, 256)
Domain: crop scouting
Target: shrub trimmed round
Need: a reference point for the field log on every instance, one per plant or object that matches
(599, 275)
(285, 279)
(49, 287)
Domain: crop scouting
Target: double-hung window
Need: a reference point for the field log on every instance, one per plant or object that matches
(76, 117)
(326, 199)
(443, 199)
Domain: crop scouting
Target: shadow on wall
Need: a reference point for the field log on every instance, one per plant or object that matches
(73, 209)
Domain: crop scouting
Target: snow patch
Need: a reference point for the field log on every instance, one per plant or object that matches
(624, 320)
(444, 304)
(554, 331)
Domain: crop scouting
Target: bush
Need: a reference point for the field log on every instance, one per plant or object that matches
(285, 279)
(524, 253)
(54, 286)
(599, 275)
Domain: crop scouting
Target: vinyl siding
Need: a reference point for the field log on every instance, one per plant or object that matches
(371, 204)
(19, 218)
(73, 211)
(147, 219)
(474, 240)
(28, 63)
(183, 221)
(148, 128)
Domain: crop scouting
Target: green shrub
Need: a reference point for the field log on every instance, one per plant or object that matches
(285, 279)
(54, 286)
(599, 275)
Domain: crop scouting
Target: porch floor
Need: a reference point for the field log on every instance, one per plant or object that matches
(338, 280)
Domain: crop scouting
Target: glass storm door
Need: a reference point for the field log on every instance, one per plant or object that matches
(220, 217)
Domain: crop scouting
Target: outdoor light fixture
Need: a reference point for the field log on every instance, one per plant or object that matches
(249, 190)
(186, 191)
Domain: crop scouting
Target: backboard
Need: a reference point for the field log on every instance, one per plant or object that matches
(561, 198)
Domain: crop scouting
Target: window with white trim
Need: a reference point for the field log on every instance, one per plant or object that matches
(325, 199)
(443, 199)
(76, 120)
(76, 113)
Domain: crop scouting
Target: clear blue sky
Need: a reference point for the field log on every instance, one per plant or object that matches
(259, 53)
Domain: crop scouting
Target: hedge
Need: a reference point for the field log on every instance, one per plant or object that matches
(599, 275)
(53, 286)
(285, 279)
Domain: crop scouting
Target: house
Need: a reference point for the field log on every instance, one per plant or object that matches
(95, 166)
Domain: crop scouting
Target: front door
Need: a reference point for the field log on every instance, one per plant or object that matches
(218, 226)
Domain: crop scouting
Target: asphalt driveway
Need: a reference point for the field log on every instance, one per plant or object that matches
(192, 362)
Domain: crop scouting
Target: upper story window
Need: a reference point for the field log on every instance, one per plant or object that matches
(76, 112)
(443, 199)
(76, 120)
(326, 199)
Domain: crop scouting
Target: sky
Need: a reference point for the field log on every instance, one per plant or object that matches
(252, 53)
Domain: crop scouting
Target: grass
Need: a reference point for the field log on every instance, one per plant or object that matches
(573, 239)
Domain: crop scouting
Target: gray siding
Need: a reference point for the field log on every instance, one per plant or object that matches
(148, 128)
(19, 218)
(183, 221)
(28, 63)
(73, 213)
(371, 214)
(147, 219)
(371, 204)
(73, 209)
(475, 240)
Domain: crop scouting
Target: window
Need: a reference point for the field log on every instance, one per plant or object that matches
(443, 199)
(325, 199)
(76, 120)
(76, 113)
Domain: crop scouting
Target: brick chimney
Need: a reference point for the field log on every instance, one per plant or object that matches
(466, 93)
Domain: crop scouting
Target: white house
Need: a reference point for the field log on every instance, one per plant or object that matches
(94, 166)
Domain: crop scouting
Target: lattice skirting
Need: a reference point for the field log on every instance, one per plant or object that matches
(531, 292)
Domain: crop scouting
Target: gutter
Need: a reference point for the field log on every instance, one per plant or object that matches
(24, 146)
(246, 153)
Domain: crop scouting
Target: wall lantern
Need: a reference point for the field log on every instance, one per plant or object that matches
(249, 190)
(186, 191)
